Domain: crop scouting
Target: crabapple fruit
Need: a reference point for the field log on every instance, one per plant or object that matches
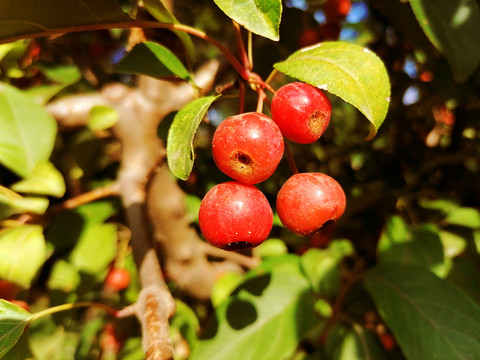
(117, 279)
(248, 147)
(308, 200)
(235, 216)
(301, 111)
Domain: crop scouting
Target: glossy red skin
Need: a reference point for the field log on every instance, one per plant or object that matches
(301, 111)
(248, 147)
(8, 290)
(118, 279)
(235, 216)
(308, 200)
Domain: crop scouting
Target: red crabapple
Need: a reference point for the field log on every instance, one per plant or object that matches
(117, 279)
(235, 216)
(248, 147)
(301, 111)
(308, 200)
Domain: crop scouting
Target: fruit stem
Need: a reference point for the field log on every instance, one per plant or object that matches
(242, 71)
(290, 159)
(242, 54)
(64, 307)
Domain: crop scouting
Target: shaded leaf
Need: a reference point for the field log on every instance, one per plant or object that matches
(351, 72)
(45, 179)
(13, 320)
(453, 27)
(22, 253)
(180, 154)
(355, 342)
(152, 59)
(260, 17)
(24, 17)
(273, 307)
(429, 317)
(420, 245)
(28, 131)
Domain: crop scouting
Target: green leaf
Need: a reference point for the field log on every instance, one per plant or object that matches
(22, 252)
(12, 203)
(28, 131)
(95, 249)
(180, 154)
(64, 276)
(22, 17)
(273, 307)
(322, 267)
(13, 320)
(102, 118)
(429, 317)
(352, 72)
(149, 58)
(453, 27)
(45, 179)
(260, 17)
(61, 76)
(420, 245)
(464, 216)
(162, 14)
(185, 322)
(355, 342)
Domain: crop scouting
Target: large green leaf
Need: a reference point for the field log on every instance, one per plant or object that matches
(162, 14)
(430, 318)
(180, 154)
(28, 131)
(25, 17)
(453, 27)
(273, 306)
(152, 59)
(260, 17)
(13, 320)
(22, 252)
(352, 72)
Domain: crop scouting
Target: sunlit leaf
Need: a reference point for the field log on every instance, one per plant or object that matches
(162, 14)
(260, 17)
(101, 118)
(13, 320)
(464, 216)
(99, 240)
(429, 317)
(351, 72)
(453, 26)
(13, 203)
(273, 307)
(22, 253)
(180, 154)
(28, 131)
(45, 179)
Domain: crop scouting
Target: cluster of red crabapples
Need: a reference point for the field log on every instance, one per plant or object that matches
(248, 148)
